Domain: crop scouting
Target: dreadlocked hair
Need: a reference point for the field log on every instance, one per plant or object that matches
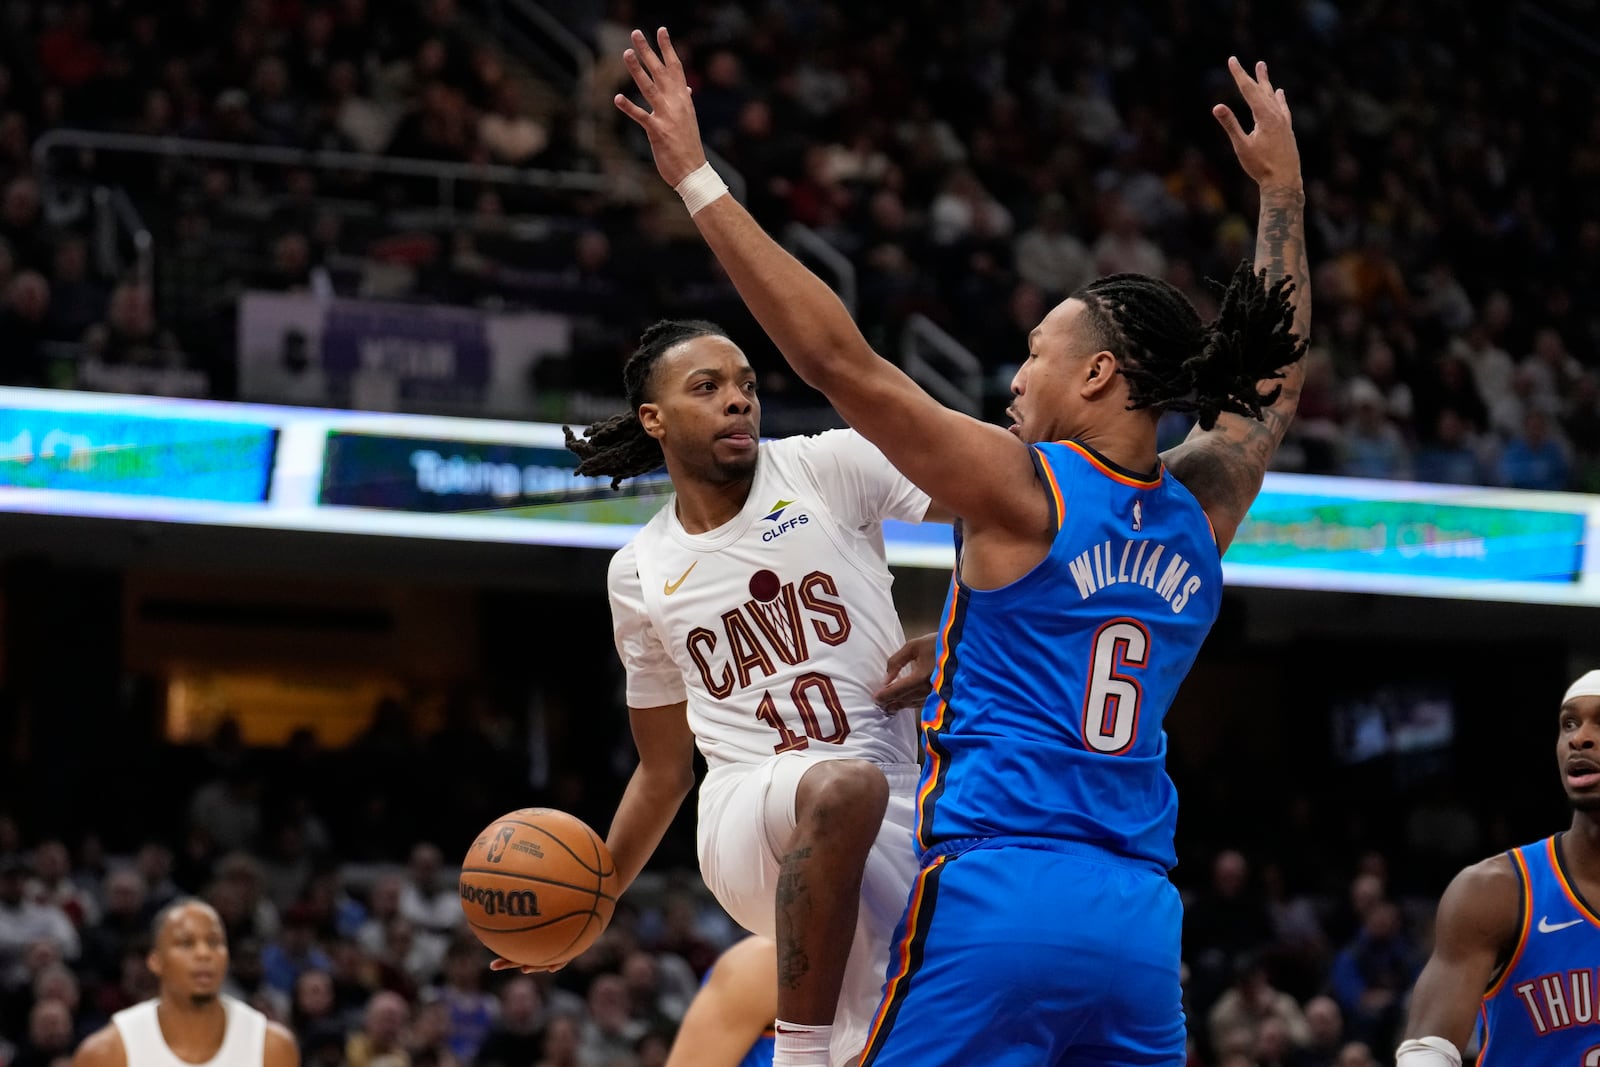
(619, 447)
(1173, 362)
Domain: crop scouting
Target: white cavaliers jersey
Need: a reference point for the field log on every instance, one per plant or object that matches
(244, 1042)
(777, 626)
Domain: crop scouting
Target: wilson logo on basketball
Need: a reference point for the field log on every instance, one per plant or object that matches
(518, 903)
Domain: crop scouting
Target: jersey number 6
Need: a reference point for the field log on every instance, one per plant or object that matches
(1111, 703)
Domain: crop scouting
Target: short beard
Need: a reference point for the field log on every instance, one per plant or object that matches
(1588, 805)
(201, 1000)
(735, 471)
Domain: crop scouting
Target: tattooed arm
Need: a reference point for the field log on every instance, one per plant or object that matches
(1224, 467)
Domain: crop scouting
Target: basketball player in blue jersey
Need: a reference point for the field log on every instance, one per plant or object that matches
(729, 1023)
(1517, 939)
(1042, 928)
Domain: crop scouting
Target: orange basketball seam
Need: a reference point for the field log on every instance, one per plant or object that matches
(546, 831)
(580, 913)
(600, 881)
(536, 878)
(567, 949)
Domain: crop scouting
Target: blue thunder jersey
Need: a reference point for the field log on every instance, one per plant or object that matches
(1049, 695)
(1541, 1009)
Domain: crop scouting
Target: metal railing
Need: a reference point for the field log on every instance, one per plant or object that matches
(115, 216)
(803, 241)
(541, 31)
(535, 31)
(448, 175)
(942, 365)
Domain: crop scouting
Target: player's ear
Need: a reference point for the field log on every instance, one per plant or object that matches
(153, 961)
(650, 419)
(1099, 370)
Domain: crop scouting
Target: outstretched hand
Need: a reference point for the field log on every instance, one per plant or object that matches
(503, 964)
(1268, 152)
(670, 123)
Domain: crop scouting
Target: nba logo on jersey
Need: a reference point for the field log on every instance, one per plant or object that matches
(1138, 515)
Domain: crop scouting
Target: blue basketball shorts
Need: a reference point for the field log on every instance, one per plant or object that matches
(1033, 953)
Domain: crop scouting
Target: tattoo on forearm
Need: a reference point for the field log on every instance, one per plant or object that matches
(1226, 467)
(1270, 246)
(793, 906)
(1281, 248)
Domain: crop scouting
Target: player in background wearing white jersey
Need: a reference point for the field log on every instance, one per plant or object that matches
(190, 1021)
(754, 618)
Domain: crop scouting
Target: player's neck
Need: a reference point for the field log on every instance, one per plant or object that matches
(704, 506)
(181, 1018)
(1130, 444)
(1581, 847)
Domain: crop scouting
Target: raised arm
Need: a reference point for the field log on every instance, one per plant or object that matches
(1224, 466)
(1477, 927)
(968, 467)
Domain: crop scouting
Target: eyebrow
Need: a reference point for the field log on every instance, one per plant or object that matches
(710, 372)
(1033, 335)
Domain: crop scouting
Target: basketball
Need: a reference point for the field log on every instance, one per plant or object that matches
(538, 886)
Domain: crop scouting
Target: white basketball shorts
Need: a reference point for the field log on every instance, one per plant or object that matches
(747, 821)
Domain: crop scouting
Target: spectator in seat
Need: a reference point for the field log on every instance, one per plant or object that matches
(131, 335)
(1535, 459)
(1370, 446)
(1372, 974)
(1450, 457)
(24, 923)
(1251, 1002)
(22, 331)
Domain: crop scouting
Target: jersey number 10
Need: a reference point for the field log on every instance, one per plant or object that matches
(801, 693)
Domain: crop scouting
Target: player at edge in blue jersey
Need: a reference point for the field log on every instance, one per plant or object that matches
(729, 1022)
(1517, 937)
(1043, 928)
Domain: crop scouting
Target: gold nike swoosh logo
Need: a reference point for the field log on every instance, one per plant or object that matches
(672, 587)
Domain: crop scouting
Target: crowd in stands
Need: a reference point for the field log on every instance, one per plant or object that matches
(980, 161)
(331, 874)
(334, 872)
(406, 81)
(974, 162)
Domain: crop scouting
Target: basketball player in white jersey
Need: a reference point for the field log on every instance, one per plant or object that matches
(754, 618)
(190, 1022)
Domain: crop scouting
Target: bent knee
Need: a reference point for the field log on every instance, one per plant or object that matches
(843, 791)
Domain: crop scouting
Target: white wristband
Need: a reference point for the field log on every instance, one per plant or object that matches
(700, 188)
(1427, 1052)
